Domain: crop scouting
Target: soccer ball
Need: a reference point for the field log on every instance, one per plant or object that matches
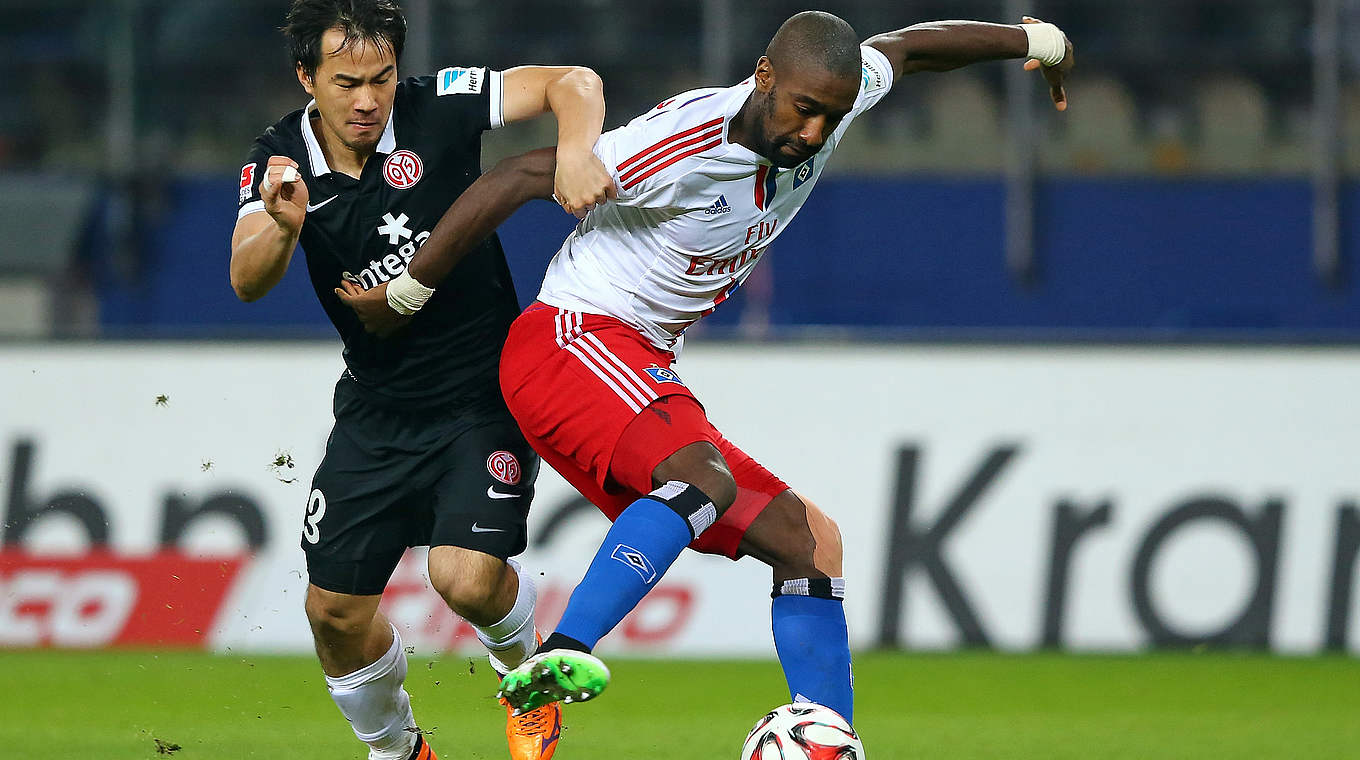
(802, 731)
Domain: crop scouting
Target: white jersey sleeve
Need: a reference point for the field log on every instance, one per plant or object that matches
(646, 155)
(876, 79)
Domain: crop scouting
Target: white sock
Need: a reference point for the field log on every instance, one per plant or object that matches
(511, 640)
(376, 705)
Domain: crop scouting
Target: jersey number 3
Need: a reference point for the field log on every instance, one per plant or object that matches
(316, 509)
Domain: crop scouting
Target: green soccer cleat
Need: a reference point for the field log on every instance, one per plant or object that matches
(562, 675)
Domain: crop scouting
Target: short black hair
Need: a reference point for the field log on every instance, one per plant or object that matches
(377, 22)
(819, 38)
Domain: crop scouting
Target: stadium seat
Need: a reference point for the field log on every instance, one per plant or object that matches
(1098, 134)
(964, 119)
(43, 218)
(1233, 118)
(1350, 129)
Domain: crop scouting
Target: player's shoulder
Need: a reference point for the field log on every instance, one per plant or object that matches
(445, 83)
(662, 146)
(686, 120)
(284, 137)
(691, 107)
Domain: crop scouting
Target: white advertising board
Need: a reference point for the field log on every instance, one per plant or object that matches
(1081, 497)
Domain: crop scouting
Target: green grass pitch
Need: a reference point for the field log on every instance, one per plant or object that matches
(112, 706)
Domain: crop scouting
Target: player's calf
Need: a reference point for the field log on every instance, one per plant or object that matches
(497, 596)
(803, 547)
(795, 538)
(374, 701)
(644, 541)
(638, 550)
(346, 629)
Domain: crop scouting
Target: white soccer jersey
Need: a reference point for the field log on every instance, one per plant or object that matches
(694, 213)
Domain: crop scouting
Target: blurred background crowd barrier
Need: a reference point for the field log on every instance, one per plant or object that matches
(1200, 187)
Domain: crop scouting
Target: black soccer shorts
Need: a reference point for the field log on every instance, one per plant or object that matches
(392, 478)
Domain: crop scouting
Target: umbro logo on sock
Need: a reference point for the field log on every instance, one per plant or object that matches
(636, 560)
(719, 207)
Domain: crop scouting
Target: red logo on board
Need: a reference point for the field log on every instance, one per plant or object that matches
(403, 169)
(102, 599)
(504, 467)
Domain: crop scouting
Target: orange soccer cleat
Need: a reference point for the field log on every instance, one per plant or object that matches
(533, 735)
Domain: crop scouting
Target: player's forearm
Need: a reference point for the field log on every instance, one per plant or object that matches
(259, 261)
(480, 210)
(577, 101)
(946, 45)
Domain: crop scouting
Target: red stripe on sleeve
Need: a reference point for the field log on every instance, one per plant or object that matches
(668, 140)
(658, 167)
(670, 151)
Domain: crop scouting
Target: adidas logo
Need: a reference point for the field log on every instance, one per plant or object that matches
(719, 207)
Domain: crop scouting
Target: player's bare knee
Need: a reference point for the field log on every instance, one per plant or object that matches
(335, 617)
(473, 598)
(700, 465)
(471, 583)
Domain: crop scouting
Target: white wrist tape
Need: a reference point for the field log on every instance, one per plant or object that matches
(405, 295)
(1047, 43)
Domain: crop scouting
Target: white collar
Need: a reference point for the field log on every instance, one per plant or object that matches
(386, 144)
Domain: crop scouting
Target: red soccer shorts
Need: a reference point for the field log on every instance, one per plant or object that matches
(603, 407)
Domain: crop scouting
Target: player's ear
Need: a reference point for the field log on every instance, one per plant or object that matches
(764, 74)
(306, 80)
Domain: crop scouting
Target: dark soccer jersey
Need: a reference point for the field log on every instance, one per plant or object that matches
(367, 230)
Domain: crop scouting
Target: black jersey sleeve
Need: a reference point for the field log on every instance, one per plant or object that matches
(252, 174)
(463, 100)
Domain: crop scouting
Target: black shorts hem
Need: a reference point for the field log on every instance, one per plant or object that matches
(498, 545)
(367, 576)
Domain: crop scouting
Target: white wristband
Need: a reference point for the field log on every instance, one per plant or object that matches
(406, 295)
(1047, 43)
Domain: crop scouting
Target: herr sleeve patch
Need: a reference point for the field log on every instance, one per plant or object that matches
(460, 81)
(876, 71)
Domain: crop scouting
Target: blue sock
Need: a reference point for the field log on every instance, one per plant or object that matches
(814, 649)
(645, 540)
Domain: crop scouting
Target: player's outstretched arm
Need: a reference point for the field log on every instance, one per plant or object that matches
(575, 96)
(478, 212)
(470, 220)
(947, 45)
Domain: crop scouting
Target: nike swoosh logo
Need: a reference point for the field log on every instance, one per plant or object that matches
(492, 493)
(479, 529)
(311, 207)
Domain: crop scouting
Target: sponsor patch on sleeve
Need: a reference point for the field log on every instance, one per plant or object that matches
(663, 375)
(247, 182)
(876, 71)
(461, 81)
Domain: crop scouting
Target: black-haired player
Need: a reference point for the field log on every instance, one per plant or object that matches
(423, 451)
